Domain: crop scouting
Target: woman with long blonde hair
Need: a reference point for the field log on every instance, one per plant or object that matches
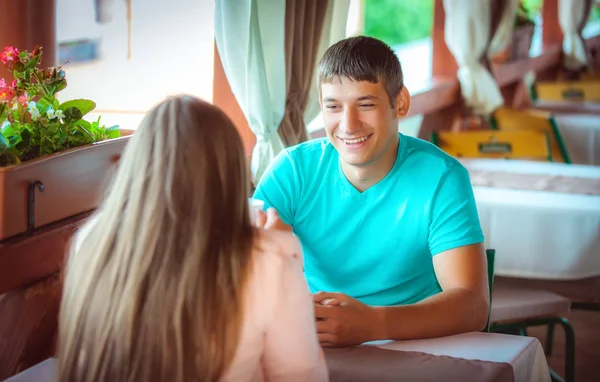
(170, 281)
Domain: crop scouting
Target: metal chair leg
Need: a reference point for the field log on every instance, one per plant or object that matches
(570, 349)
(549, 339)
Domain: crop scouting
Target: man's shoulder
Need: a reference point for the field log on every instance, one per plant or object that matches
(311, 147)
(311, 154)
(426, 155)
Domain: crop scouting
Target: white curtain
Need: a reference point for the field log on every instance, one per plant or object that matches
(467, 32)
(570, 17)
(506, 28)
(250, 38)
(334, 30)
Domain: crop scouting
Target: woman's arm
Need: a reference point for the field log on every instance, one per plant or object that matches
(292, 351)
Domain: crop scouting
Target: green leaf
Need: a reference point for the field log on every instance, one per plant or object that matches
(73, 114)
(113, 133)
(25, 140)
(84, 106)
(3, 144)
(83, 123)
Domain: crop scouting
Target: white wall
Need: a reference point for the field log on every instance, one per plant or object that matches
(172, 46)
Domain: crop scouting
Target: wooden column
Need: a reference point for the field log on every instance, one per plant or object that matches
(27, 23)
(443, 65)
(551, 31)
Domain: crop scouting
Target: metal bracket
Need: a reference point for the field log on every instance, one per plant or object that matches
(31, 204)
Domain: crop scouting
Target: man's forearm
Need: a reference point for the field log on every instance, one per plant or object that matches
(449, 312)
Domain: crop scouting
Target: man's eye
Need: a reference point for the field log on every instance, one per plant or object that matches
(367, 105)
(331, 107)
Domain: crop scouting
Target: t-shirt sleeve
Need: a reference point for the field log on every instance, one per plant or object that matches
(454, 219)
(278, 187)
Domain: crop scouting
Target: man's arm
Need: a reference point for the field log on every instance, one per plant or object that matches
(462, 306)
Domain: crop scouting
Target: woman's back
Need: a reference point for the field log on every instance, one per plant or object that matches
(170, 281)
(278, 341)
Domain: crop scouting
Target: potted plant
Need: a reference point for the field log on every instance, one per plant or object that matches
(53, 163)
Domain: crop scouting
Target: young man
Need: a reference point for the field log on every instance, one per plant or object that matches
(388, 224)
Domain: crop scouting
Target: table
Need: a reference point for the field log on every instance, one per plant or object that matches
(581, 134)
(491, 357)
(541, 233)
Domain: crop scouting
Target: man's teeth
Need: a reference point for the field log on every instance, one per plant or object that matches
(357, 140)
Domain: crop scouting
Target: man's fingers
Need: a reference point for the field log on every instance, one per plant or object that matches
(326, 339)
(326, 311)
(331, 302)
(326, 326)
(331, 297)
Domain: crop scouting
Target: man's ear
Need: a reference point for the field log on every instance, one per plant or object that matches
(402, 103)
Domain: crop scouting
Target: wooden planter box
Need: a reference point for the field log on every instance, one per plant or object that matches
(518, 48)
(57, 186)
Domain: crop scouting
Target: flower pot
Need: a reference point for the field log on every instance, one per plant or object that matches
(54, 187)
(519, 46)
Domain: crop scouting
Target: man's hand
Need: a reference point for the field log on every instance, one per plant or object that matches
(344, 321)
(270, 220)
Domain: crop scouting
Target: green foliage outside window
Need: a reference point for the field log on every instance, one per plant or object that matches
(398, 21)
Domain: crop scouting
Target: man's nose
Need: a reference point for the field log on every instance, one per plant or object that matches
(350, 122)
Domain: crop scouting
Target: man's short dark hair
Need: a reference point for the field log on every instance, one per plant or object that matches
(362, 58)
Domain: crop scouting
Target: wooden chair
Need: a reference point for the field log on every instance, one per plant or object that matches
(587, 89)
(531, 145)
(506, 119)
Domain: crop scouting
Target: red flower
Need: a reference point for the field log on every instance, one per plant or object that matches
(23, 99)
(2, 83)
(6, 94)
(10, 54)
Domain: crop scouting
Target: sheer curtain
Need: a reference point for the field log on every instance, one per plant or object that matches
(334, 30)
(572, 17)
(506, 27)
(467, 34)
(250, 38)
(304, 23)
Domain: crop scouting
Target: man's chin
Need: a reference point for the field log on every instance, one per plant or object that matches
(354, 161)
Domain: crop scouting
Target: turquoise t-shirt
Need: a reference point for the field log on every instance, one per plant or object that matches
(375, 246)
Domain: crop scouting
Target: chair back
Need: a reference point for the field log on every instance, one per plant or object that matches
(490, 254)
(506, 119)
(586, 89)
(495, 144)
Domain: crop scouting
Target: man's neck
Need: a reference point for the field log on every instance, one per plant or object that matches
(364, 177)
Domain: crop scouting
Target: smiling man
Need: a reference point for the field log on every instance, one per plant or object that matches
(388, 223)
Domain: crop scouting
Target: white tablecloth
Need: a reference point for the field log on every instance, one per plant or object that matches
(540, 234)
(525, 354)
(581, 134)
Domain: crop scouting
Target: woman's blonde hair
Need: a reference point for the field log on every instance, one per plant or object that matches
(153, 290)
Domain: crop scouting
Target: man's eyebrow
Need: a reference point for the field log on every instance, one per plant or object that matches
(368, 97)
(362, 98)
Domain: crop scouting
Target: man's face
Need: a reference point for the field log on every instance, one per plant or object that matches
(359, 120)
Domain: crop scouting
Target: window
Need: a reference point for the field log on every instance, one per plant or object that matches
(405, 25)
(172, 47)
